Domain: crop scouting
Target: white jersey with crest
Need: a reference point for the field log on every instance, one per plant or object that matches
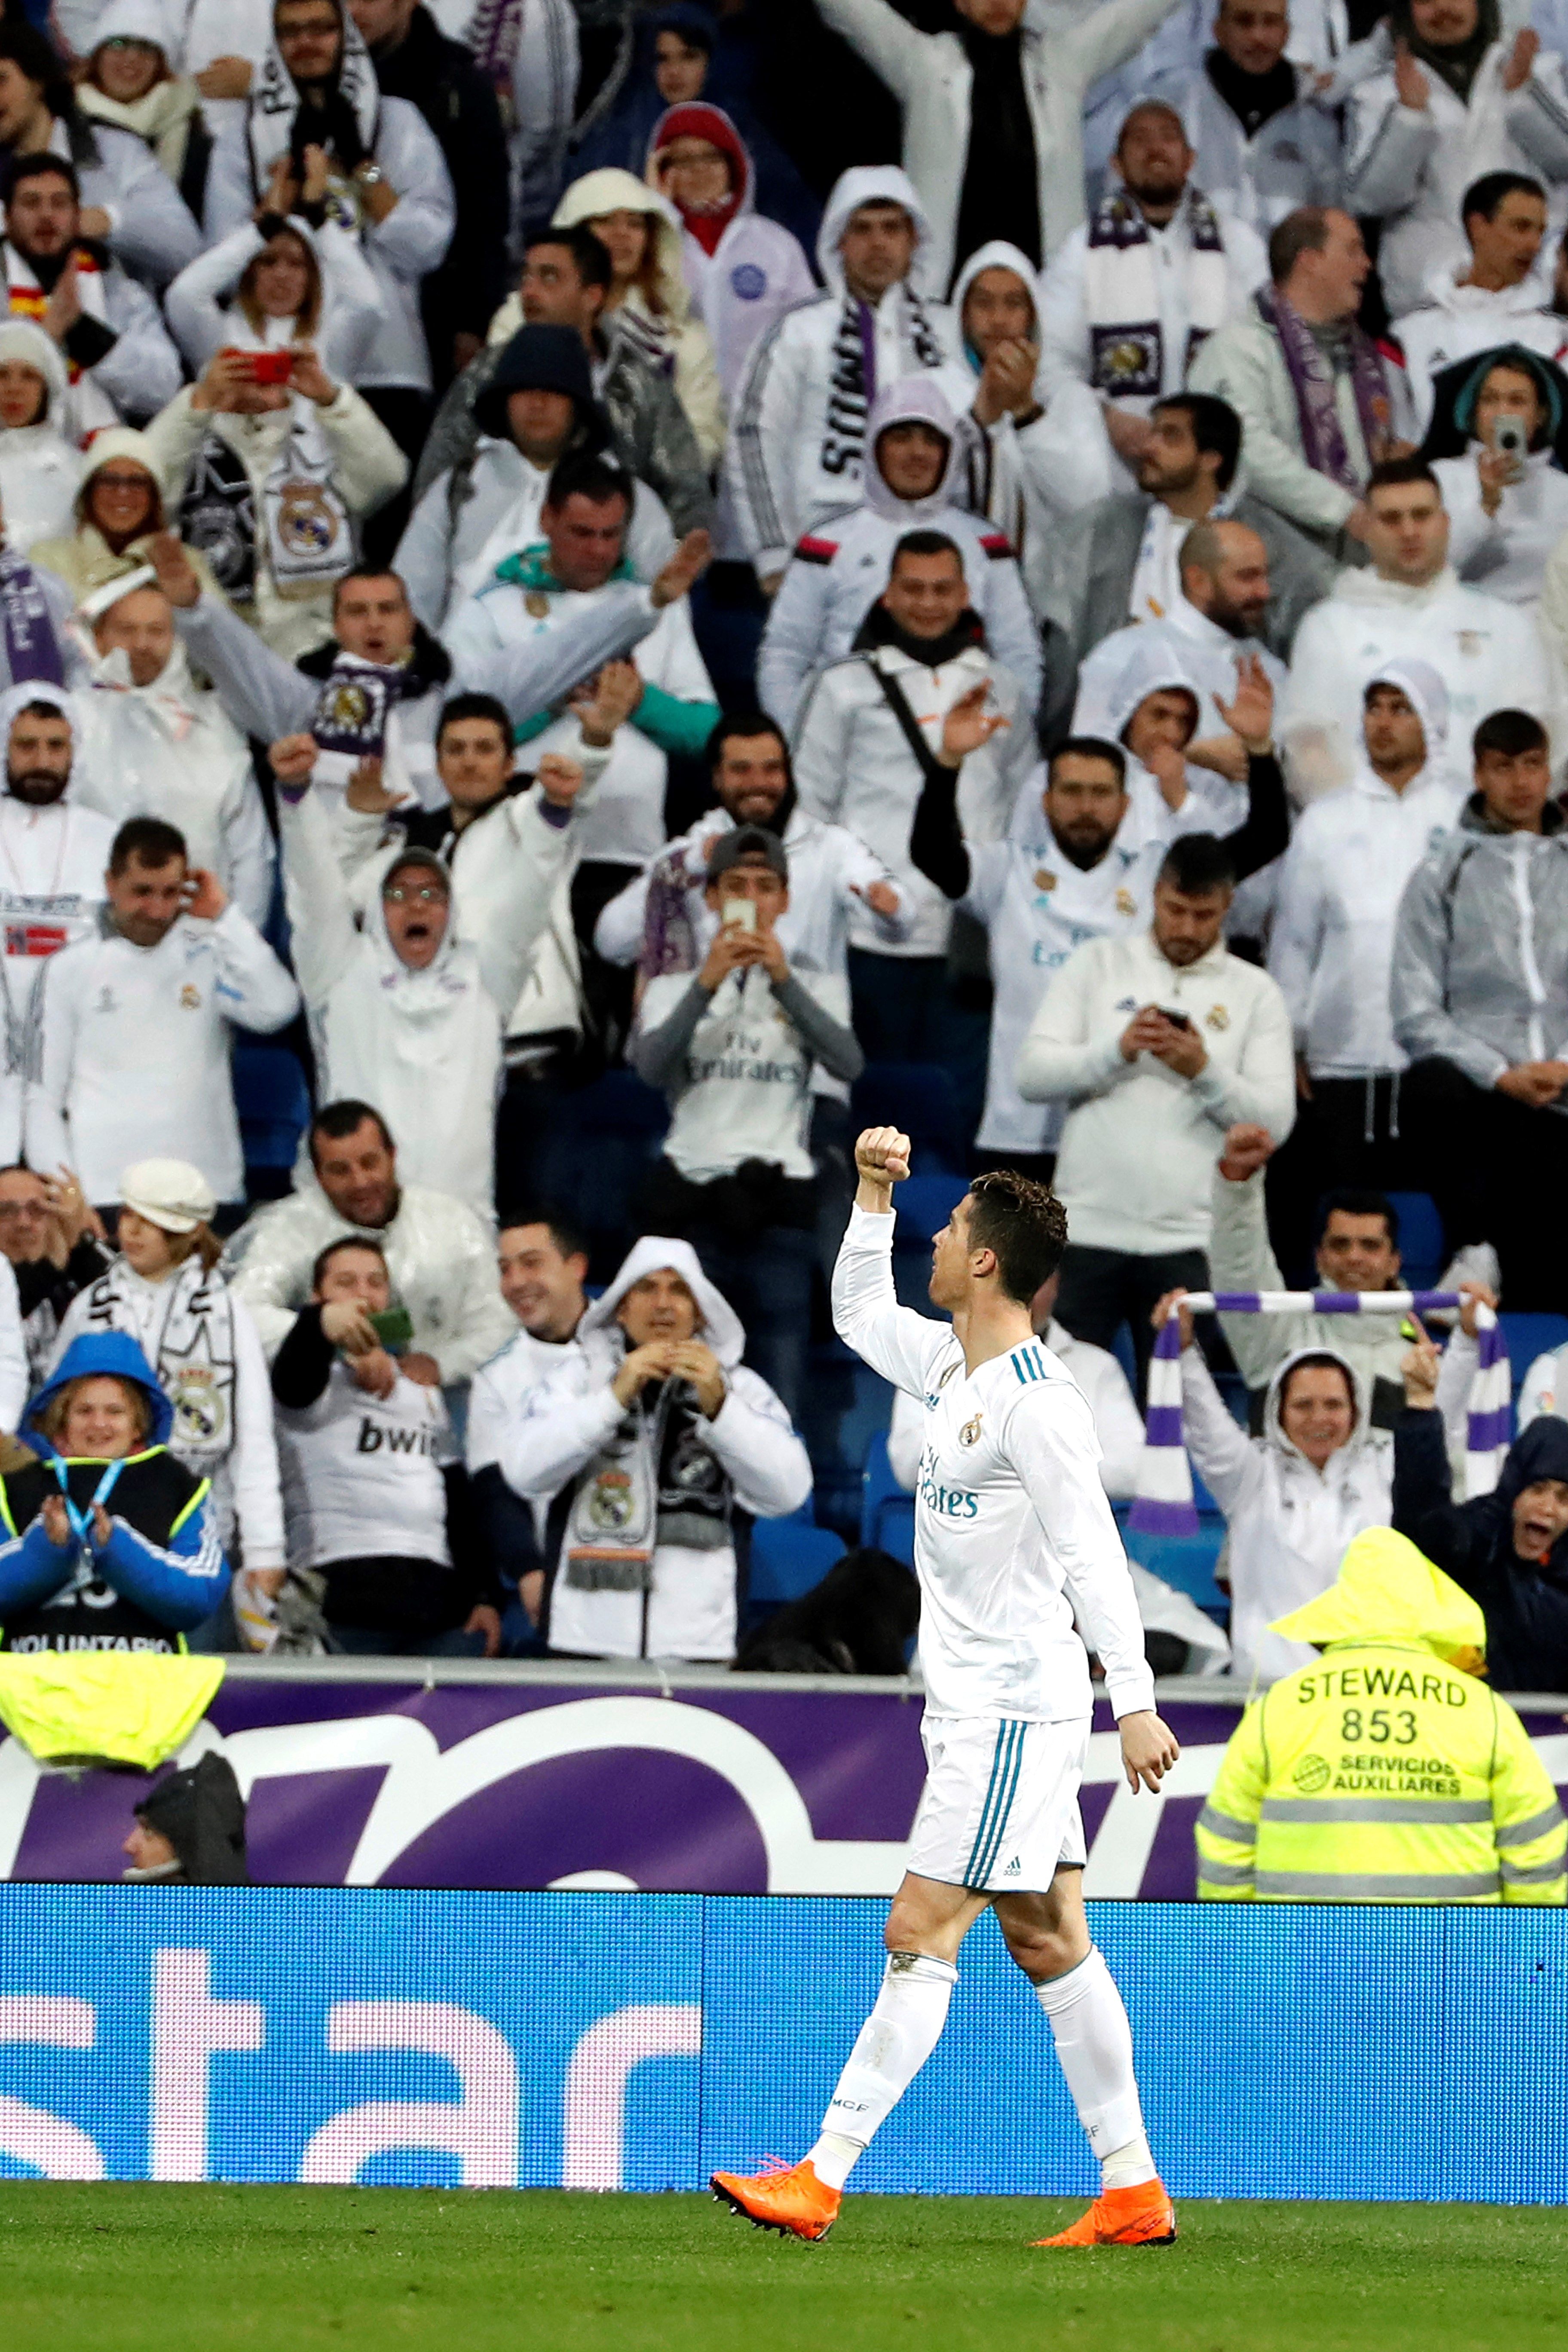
(1013, 1533)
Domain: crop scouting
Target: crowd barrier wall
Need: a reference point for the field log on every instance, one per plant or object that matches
(601, 2040)
(536, 1777)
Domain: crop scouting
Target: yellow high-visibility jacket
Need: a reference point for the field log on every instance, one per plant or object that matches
(1382, 1774)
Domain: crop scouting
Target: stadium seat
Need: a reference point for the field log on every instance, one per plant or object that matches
(920, 1097)
(273, 1102)
(1528, 1336)
(924, 1204)
(887, 1512)
(788, 1558)
(1185, 1561)
(1422, 1247)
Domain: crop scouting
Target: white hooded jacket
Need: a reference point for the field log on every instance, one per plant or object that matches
(1458, 320)
(1331, 945)
(838, 570)
(689, 1611)
(1289, 1523)
(40, 465)
(798, 433)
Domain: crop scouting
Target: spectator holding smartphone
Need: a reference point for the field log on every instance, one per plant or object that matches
(373, 1486)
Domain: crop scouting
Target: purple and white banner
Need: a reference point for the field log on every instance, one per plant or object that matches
(521, 1777)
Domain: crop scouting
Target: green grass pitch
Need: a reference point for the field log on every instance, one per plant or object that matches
(135, 2269)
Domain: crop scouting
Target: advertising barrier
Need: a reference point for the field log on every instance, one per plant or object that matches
(607, 2040)
(516, 1777)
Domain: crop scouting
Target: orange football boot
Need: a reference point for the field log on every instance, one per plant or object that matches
(1144, 2215)
(787, 2198)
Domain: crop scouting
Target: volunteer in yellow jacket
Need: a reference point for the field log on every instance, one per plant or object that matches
(1388, 1772)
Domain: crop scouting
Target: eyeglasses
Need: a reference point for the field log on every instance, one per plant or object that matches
(428, 894)
(103, 479)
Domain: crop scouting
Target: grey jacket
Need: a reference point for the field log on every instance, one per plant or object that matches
(1095, 556)
(1478, 979)
(648, 429)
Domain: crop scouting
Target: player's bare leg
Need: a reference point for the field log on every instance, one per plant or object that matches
(926, 1926)
(1047, 1936)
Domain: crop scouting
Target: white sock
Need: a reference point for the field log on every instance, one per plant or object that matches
(894, 2043)
(1094, 2044)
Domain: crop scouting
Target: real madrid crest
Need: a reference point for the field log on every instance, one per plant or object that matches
(190, 997)
(307, 520)
(1216, 1017)
(970, 1434)
(1043, 878)
(536, 604)
(1126, 904)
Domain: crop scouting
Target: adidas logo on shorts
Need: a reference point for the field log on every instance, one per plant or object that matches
(1012, 1869)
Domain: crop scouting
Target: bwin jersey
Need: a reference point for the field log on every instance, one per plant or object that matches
(1013, 1533)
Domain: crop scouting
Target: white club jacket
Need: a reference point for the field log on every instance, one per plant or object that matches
(1139, 1143)
(1457, 320)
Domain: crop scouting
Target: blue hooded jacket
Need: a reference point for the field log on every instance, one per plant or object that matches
(1525, 1603)
(161, 1569)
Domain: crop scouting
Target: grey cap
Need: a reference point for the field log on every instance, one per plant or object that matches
(747, 841)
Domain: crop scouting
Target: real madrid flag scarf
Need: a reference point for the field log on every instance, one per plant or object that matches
(1163, 1505)
(185, 1328)
(655, 1482)
(1121, 295)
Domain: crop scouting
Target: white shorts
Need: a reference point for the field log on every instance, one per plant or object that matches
(1000, 1808)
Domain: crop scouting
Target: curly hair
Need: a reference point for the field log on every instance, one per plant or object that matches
(1024, 1223)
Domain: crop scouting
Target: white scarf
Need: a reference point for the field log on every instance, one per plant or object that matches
(275, 101)
(161, 119)
(184, 1325)
(1122, 294)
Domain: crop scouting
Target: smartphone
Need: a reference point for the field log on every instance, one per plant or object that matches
(741, 912)
(1176, 1020)
(1509, 438)
(395, 1329)
(271, 367)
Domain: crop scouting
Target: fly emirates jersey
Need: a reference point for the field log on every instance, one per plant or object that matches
(1013, 1534)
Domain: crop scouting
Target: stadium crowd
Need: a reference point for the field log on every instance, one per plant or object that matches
(573, 632)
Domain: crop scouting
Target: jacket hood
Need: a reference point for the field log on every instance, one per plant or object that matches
(202, 1814)
(25, 341)
(112, 1353)
(15, 698)
(541, 358)
(1151, 669)
(1424, 689)
(1388, 1590)
(868, 183)
(697, 120)
(1541, 1452)
(1456, 390)
(1273, 1433)
(721, 1327)
(918, 400)
(612, 191)
(996, 253)
(133, 20)
(418, 994)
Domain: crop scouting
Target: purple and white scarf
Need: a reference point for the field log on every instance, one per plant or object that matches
(1312, 381)
(1163, 1505)
(32, 650)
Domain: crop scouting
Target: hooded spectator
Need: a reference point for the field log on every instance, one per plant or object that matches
(1029, 463)
(1460, 100)
(138, 1025)
(190, 1829)
(40, 465)
(537, 408)
(1506, 494)
(128, 200)
(162, 1289)
(415, 60)
(278, 289)
(838, 570)
(1500, 294)
(1130, 298)
(743, 272)
(1264, 144)
(1003, 88)
(130, 85)
(1319, 405)
(114, 1541)
(650, 1440)
(566, 282)
(54, 853)
(441, 1254)
(1293, 1497)
(798, 442)
(1506, 1548)
(121, 362)
(272, 480)
(313, 104)
(157, 744)
(641, 232)
(119, 510)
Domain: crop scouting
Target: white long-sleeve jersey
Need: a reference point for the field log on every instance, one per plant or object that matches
(1013, 1533)
(136, 1050)
(52, 863)
(362, 1475)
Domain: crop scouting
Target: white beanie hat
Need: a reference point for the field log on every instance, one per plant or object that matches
(170, 1193)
